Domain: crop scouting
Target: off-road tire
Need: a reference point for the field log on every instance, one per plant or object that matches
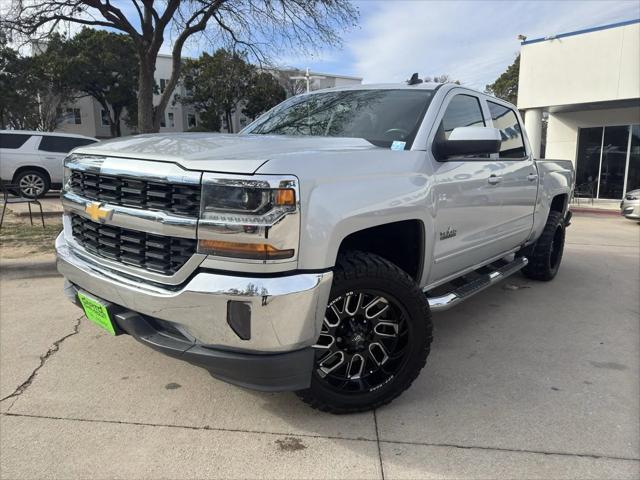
(358, 270)
(546, 255)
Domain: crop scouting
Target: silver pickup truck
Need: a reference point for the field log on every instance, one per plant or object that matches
(308, 252)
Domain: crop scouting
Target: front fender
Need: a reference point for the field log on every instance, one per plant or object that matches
(343, 193)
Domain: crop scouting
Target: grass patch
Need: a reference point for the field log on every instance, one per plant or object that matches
(31, 239)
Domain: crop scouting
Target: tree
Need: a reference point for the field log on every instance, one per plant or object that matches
(262, 27)
(506, 85)
(110, 77)
(33, 89)
(264, 92)
(18, 105)
(216, 84)
(444, 78)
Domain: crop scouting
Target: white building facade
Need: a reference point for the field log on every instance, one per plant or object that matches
(86, 116)
(587, 84)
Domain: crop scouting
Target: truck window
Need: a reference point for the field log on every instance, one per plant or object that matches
(506, 120)
(51, 143)
(13, 140)
(462, 111)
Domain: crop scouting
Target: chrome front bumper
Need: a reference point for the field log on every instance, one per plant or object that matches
(286, 311)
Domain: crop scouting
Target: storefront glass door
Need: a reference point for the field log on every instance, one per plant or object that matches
(613, 163)
(608, 161)
(633, 173)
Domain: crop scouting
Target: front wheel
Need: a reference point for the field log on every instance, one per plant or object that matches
(375, 337)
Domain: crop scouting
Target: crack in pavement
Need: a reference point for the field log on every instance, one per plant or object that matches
(43, 360)
(328, 437)
(375, 422)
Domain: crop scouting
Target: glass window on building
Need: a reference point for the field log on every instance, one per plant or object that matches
(614, 162)
(633, 173)
(608, 160)
(171, 121)
(588, 158)
(104, 118)
(70, 116)
(191, 120)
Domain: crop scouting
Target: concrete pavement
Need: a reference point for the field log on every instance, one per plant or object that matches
(525, 380)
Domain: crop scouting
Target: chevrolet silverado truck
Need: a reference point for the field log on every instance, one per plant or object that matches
(308, 252)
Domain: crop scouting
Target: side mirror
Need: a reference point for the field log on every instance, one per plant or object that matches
(464, 141)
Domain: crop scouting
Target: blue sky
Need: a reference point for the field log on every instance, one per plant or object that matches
(472, 41)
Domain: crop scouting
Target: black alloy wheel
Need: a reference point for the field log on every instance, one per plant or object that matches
(375, 337)
(364, 341)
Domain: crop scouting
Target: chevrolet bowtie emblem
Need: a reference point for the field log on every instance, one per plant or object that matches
(98, 213)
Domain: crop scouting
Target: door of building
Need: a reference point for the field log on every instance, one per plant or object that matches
(607, 160)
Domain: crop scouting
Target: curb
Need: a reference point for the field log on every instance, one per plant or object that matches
(12, 269)
(597, 211)
(35, 213)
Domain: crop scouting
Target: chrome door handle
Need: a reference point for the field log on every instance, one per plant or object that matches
(494, 180)
(532, 177)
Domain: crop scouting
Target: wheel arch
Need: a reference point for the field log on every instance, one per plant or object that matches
(559, 203)
(25, 168)
(401, 242)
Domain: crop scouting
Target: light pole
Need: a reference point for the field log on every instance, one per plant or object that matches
(307, 77)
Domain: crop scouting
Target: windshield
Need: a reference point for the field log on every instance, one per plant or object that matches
(379, 116)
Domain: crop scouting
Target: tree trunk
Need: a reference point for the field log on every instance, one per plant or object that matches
(146, 84)
(117, 130)
(229, 121)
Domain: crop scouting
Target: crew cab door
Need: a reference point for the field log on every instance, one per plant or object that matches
(519, 176)
(471, 221)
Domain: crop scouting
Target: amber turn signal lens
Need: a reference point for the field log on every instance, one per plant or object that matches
(254, 251)
(285, 196)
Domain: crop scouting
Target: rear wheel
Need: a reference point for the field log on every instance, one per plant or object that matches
(375, 338)
(546, 254)
(32, 183)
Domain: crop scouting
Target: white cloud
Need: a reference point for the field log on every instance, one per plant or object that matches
(470, 40)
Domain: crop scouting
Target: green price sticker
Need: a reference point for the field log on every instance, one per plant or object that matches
(96, 312)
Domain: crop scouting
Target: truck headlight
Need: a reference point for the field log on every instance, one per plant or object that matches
(254, 220)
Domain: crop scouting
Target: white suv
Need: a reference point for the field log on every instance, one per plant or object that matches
(35, 160)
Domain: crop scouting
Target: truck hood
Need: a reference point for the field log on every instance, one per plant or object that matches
(226, 153)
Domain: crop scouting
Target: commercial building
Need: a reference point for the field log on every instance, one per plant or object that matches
(586, 86)
(86, 116)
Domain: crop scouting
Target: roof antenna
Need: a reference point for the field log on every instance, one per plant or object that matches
(414, 80)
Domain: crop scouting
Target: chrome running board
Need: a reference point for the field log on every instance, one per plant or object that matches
(452, 298)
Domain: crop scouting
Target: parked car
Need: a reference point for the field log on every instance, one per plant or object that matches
(308, 252)
(630, 206)
(35, 160)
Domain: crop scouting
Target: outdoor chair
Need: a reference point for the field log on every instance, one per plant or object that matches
(10, 198)
(585, 190)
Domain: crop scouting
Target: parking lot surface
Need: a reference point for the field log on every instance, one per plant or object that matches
(525, 380)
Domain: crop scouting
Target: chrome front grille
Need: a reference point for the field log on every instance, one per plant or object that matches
(181, 199)
(156, 253)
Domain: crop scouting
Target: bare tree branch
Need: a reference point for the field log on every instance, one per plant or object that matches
(262, 28)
